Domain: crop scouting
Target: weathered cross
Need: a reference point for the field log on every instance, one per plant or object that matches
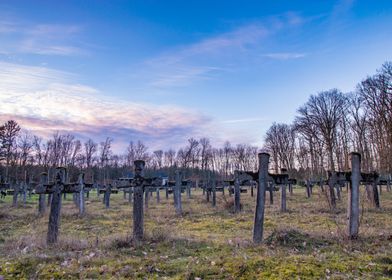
(139, 183)
(56, 189)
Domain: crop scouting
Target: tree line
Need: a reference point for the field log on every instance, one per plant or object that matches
(331, 124)
(23, 153)
(326, 129)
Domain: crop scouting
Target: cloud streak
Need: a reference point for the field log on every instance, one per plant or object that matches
(205, 59)
(42, 39)
(284, 56)
(246, 120)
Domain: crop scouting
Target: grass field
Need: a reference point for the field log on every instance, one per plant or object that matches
(307, 242)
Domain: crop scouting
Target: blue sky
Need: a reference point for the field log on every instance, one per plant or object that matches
(165, 71)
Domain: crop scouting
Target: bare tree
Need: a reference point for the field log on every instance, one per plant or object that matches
(25, 145)
(90, 149)
(170, 158)
(157, 159)
(8, 133)
(105, 152)
(205, 152)
(38, 151)
(376, 95)
(324, 112)
(280, 141)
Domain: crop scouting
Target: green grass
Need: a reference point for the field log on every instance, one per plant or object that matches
(308, 242)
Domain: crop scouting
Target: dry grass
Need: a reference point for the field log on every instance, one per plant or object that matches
(309, 241)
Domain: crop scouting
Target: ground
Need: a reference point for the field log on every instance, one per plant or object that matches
(307, 242)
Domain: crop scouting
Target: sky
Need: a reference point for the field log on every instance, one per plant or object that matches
(165, 71)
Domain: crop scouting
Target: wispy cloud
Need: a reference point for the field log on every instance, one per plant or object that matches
(45, 100)
(201, 60)
(210, 56)
(7, 26)
(183, 75)
(38, 47)
(284, 56)
(245, 120)
(19, 36)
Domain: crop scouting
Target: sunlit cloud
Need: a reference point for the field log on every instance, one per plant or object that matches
(45, 101)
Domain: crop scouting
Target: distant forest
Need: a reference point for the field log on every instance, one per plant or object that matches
(329, 126)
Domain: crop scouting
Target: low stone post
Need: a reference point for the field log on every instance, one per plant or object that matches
(108, 191)
(81, 194)
(177, 191)
(322, 185)
(42, 196)
(158, 195)
(271, 192)
(74, 199)
(283, 204)
(15, 195)
(308, 188)
(138, 209)
(188, 190)
(332, 183)
(49, 199)
(213, 193)
(55, 206)
(338, 195)
(291, 188)
(24, 189)
(376, 196)
(260, 200)
(146, 197)
(130, 193)
(237, 193)
(353, 196)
